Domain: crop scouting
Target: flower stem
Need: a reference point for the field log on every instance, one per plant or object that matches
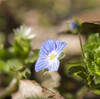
(82, 51)
(10, 88)
(82, 92)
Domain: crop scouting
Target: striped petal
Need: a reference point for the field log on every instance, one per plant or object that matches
(47, 47)
(53, 65)
(60, 46)
(41, 63)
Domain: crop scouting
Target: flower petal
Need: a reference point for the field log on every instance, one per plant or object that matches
(60, 46)
(41, 63)
(73, 25)
(53, 65)
(27, 31)
(47, 47)
(31, 36)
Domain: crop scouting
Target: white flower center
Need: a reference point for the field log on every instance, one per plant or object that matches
(52, 55)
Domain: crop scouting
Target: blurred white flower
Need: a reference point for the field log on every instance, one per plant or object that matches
(24, 32)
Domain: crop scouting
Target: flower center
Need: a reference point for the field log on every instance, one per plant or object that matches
(52, 55)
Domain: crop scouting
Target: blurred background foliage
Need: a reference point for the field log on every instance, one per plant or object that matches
(50, 11)
(13, 13)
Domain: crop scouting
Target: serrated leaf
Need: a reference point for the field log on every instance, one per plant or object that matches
(97, 79)
(93, 54)
(89, 80)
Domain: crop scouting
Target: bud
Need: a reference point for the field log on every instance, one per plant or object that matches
(73, 26)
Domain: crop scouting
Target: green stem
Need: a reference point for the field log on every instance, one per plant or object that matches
(82, 52)
(82, 92)
(10, 88)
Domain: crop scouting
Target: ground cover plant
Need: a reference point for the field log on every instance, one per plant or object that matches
(19, 60)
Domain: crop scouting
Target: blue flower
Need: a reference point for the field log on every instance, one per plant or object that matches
(49, 55)
(73, 26)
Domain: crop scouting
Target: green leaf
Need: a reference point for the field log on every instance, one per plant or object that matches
(96, 88)
(89, 80)
(78, 70)
(96, 92)
(6, 54)
(2, 66)
(16, 63)
(33, 58)
(5, 66)
(21, 69)
(93, 54)
(61, 56)
(21, 48)
(82, 75)
(27, 73)
(81, 71)
(97, 79)
(45, 71)
(76, 61)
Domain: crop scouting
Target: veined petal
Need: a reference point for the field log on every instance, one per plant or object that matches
(31, 36)
(53, 65)
(60, 46)
(27, 31)
(47, 47)
(41, 63)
